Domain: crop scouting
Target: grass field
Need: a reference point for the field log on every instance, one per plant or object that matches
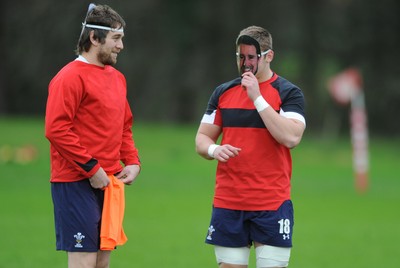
(168, 207)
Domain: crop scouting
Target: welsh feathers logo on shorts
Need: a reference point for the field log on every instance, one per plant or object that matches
(211, 230)
(79, 238)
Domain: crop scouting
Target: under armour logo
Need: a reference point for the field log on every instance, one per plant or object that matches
(286, 236)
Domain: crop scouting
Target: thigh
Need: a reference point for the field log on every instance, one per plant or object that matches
(270, 256)
(274, 228)
(103, 259)
(77, 214)
(228, 228)
(82, 259)
(232, 257)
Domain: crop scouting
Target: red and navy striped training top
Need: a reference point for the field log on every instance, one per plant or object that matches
(259, 178)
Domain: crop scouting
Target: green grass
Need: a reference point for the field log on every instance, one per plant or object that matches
(168, 207)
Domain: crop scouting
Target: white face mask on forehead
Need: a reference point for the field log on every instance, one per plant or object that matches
(94, 26)
(120, 30)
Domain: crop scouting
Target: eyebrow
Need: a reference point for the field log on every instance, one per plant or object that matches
(118, 35)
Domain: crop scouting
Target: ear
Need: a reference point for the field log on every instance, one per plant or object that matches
(94, 41)
(270, 56)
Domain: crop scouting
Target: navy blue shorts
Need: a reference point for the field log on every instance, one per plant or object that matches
(77, 216)
(238, 228)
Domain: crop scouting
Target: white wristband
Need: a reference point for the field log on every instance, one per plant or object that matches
(261, 104)
(211, 149)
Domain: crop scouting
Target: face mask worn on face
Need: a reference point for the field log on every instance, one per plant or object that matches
(248, 40)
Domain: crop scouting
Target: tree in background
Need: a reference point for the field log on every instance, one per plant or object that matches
(184, 51)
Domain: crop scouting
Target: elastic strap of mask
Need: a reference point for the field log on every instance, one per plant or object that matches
(120, 30)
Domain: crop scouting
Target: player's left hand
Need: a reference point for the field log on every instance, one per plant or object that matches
(250, 84)
(129, 174)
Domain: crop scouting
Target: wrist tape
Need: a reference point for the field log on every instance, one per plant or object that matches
(261, 104)
(211, 149)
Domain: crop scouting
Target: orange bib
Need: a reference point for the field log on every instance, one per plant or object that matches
(112, 232)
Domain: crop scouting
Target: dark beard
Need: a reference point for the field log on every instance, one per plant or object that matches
(105, 58)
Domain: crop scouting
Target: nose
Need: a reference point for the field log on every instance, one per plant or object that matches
(247, 60)
(120, 44)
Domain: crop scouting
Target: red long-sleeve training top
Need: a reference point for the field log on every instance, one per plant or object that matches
(88, 122)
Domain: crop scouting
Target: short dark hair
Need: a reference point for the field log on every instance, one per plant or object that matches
(101, 15)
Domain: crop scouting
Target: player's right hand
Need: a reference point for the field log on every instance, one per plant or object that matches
(224, 152)
(99, 180)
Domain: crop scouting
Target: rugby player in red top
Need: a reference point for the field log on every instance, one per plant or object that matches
(88, 123)
(260, 116)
